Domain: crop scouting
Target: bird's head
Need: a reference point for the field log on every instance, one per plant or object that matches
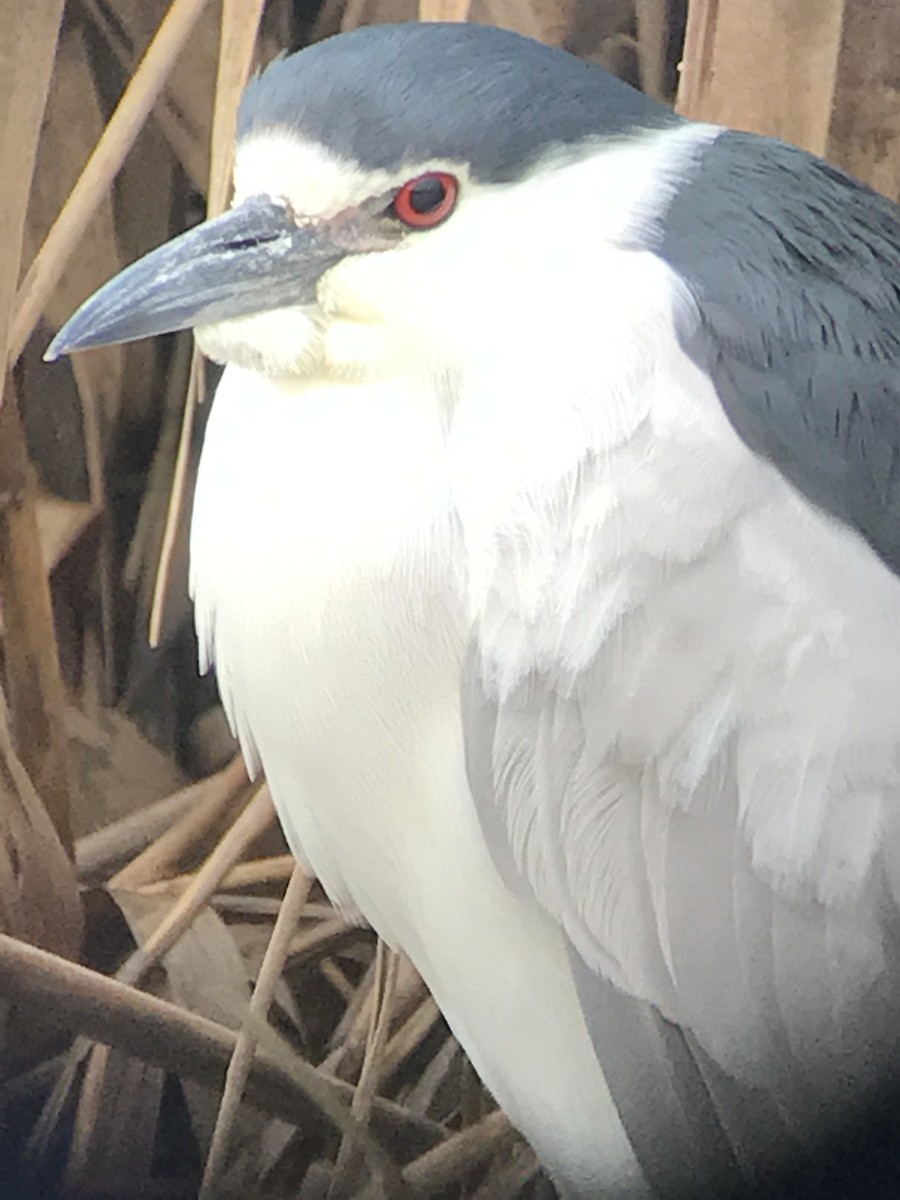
(398, 190)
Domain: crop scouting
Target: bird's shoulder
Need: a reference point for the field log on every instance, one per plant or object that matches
(794, 269)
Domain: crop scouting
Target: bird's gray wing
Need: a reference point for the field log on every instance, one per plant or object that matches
(795, 267)
(740, 1015)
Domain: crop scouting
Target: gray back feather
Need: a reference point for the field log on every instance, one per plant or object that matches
(795, 267)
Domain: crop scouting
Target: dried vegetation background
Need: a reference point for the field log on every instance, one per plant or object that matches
(181, 1010)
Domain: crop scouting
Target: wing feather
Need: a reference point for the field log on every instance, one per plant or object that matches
(700, 779)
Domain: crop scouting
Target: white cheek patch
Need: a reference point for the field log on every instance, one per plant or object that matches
(356, 330)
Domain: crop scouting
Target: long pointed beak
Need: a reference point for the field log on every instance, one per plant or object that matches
(252, 259)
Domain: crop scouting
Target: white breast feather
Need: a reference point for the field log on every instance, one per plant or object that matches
(324, 570)
(582, 503)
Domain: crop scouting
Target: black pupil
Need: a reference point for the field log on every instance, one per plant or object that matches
(427, 194)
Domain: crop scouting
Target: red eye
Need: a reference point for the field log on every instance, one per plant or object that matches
(427, 200)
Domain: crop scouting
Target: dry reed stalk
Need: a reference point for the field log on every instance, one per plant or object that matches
(459, 1154)
(507, 1180)
(257, 816)
(39, 898)
(32, 661)
(239, 32)
(33, 675)
(121, 34)
(209, 799)
(338, 980)
(177, 495)
(326, 937)
(277, 869)
(242, 1059)
(350, 1038)
(102, 167)
(352, 1026)
(30, 33)
(113, 1127)
(384, 1170)
(100, 853)
(409, 1036)
(345, 1172)
(93, 449)
(146, 539)
(194, 1047)
(421, 1096)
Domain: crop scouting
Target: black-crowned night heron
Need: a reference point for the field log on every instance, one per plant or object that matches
(546, 541)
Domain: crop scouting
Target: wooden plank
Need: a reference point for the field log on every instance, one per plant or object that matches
(823, 74)
(444, 10)
(864, 137)
(767, 66)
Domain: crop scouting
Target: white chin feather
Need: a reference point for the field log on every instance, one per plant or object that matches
(283, 342)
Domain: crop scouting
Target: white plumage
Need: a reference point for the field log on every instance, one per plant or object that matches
(334, 542)
(589, 510)
(559, 684)
(357, 528)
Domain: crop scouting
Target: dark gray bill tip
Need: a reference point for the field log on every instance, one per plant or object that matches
(252, 259)
(57, 348)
